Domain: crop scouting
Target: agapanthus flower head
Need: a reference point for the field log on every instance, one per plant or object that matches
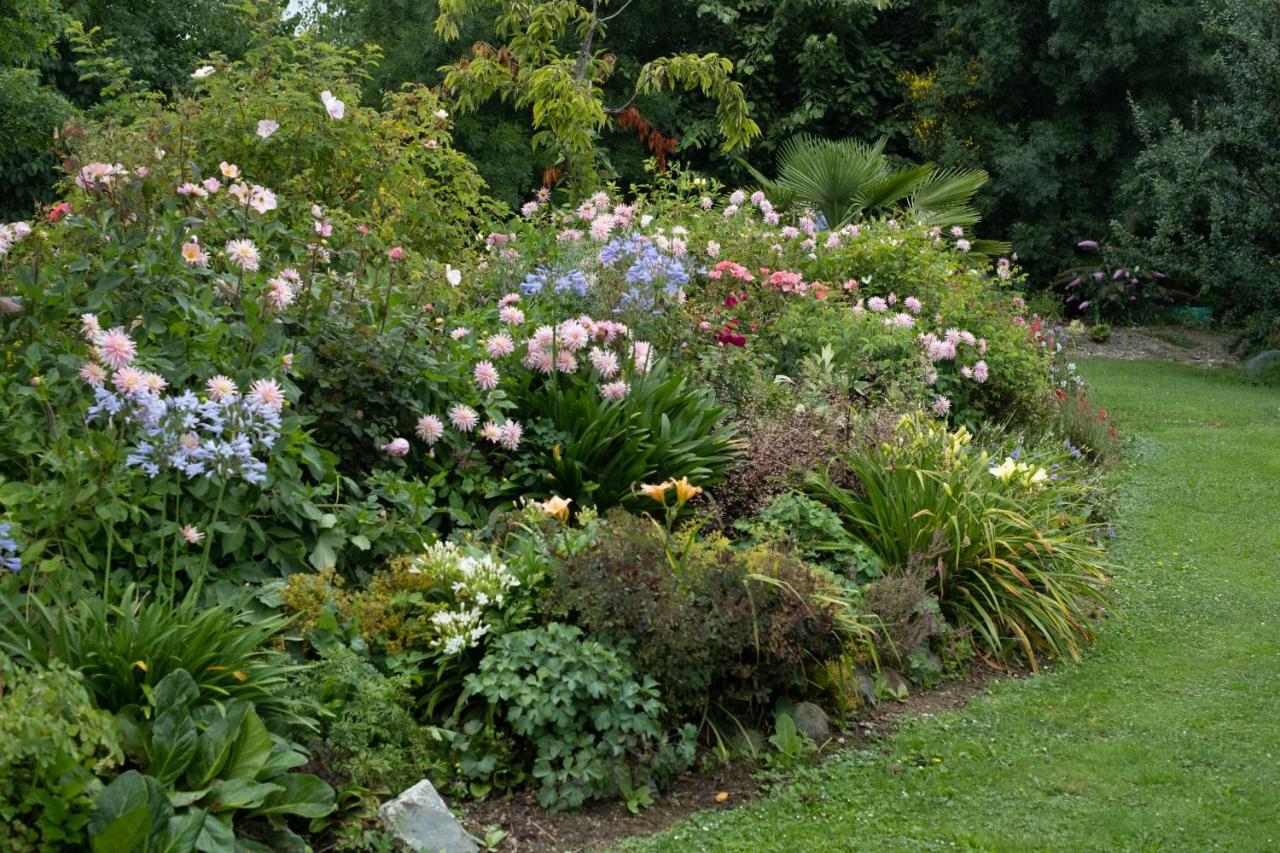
(429, 429)
(115, 348)
(243, 254)
(463, 418)
(9, 558)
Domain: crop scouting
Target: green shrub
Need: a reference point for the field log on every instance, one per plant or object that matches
(1100, 333)
(592, 725)
(711, 625)
(124, 649)
(1016, 564)
(815, 532)
(54, 744)
(393, 169)
(596, 451)
(370, 735)
(30, 113)
(210, 767)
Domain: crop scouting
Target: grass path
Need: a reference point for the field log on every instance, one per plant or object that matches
(1167, 736)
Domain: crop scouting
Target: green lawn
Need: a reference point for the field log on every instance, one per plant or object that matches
(1167, 736)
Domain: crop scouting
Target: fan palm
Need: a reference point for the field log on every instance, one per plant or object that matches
(845, 180)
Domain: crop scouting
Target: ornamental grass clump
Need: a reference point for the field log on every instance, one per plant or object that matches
(1017, 562)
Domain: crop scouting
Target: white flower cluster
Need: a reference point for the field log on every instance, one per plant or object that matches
(478, 584)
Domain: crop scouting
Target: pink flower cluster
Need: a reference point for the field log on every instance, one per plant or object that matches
(101, 176)
(948, 348)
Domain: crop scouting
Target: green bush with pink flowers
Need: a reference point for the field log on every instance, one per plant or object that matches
(277, 353)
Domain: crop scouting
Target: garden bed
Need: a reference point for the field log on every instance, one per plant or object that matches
(1182, 344)
(529, 827)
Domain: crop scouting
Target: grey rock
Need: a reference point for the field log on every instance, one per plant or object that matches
(866, 687)
(1262, 361)
(812, 721)
(422, 823)
(749, 742)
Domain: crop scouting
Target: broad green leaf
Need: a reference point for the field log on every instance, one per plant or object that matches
(302, 794)
(236, 794)
(251, 751)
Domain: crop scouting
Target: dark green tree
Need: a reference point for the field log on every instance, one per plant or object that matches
(1039, 94)
(1208, 189)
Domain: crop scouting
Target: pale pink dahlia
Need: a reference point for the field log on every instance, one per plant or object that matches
(115, 348)
(267, 394)
(221, 388)
(463, 418)
(485, 375)
(430, 429)
(614, 390)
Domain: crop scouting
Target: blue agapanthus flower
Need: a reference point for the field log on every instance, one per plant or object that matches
(9, 549)
(181, 432)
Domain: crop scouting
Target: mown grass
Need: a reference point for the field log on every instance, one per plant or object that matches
(1167, 736)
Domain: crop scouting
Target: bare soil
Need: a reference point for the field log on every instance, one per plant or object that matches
(532, 829)
(1183, 344)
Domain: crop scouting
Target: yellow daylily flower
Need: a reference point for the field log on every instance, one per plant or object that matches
(657, 492)
(557, 507)
(685, 491)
